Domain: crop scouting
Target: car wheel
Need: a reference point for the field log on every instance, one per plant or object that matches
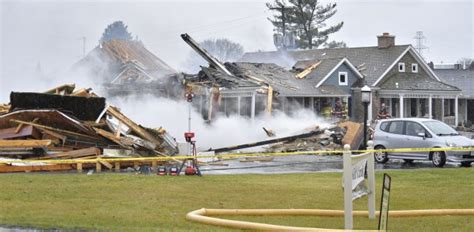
(408, 161)
(466, 164)
(438, 158)
(380, 156)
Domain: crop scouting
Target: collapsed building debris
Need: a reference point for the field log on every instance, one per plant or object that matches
(127, 67)
(252, 89)
(313, 139)
(63, 124)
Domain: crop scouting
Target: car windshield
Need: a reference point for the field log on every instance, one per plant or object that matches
(440, 129)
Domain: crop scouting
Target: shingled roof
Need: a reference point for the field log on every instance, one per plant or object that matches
(281, 80)
(109, 58)
(461, 78)
(373, 60)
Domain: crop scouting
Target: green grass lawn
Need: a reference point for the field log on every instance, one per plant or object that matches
(128, 202)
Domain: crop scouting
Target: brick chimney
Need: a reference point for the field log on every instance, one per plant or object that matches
(385, 40)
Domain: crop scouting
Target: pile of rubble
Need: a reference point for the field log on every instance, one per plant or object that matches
(65, 124)
(312, 139)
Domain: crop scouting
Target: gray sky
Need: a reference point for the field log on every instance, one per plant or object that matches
(50, 32)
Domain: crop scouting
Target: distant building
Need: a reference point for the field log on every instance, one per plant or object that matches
(461, 76)
(127, 67)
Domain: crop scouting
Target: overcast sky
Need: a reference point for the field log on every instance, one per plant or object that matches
(50, 32)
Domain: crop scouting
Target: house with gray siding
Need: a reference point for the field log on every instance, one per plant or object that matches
(397, 75)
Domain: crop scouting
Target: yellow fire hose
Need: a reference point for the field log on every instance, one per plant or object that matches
(204, 216)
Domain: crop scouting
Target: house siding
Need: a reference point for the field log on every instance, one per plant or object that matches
(408, 59)
(333, 79)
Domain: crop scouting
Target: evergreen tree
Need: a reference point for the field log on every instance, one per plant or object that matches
(116, 30)
(335, 44)
(306, 18)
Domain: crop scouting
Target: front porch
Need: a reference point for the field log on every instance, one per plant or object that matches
(446, 107)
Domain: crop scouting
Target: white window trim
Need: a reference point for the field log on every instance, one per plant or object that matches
(402, 68)
(414, 66)
(339, 78)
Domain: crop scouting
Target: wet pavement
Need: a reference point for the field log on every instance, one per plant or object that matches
(305, 164)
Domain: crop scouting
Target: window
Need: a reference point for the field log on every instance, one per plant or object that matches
(342, 78)
(414, 68)
(413, 129)
(401, 67)
(396, 127)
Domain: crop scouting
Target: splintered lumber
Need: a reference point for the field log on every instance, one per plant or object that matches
(54, 129)
(353, 135)
(75, 153)
(106, 164)
(24, 143)
(135, 127)
(120, 141)
(35, 168)
(265, 142)
(55, 135)
(307, 71)
(63, 89)
(19, 132)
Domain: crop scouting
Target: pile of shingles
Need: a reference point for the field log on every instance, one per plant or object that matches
(65, 124)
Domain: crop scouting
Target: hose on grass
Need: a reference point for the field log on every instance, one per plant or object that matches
(204, 216)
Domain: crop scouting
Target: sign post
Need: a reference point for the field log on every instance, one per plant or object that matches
(384, 203)
(354, 182)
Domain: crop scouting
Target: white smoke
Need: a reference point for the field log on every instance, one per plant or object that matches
(224, 131)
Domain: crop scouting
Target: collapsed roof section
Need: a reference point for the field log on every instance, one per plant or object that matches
(121, 62)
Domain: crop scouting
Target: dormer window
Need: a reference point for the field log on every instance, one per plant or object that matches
(343, 78)
(414, 68)
(401, 67)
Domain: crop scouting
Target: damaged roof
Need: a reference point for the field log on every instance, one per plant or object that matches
(261, 74)
(112, 57)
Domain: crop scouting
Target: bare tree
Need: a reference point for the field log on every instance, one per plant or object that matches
(222, 49)
(466, 62)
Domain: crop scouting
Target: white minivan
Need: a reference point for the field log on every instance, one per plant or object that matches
(420, 133)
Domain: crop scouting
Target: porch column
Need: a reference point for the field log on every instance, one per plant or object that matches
(252, 107)
(238, 105)
(311, 102)
(442, 109)
(401, 106)
(456, 113)
(430, 107)
(465, 109)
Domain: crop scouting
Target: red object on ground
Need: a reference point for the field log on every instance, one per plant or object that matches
(189, 171)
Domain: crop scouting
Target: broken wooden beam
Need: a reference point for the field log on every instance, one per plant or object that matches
(135, 127)
(66, 132)
(19, 132)
(124, 142)
(265, 142)
(35, 168)
(91, 151)
(24, 143)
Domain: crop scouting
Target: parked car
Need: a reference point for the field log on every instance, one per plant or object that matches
(420, 133)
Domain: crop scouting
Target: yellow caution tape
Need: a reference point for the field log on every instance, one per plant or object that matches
(236, 155)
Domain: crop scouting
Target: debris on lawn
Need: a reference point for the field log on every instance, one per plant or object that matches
(62, 124)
